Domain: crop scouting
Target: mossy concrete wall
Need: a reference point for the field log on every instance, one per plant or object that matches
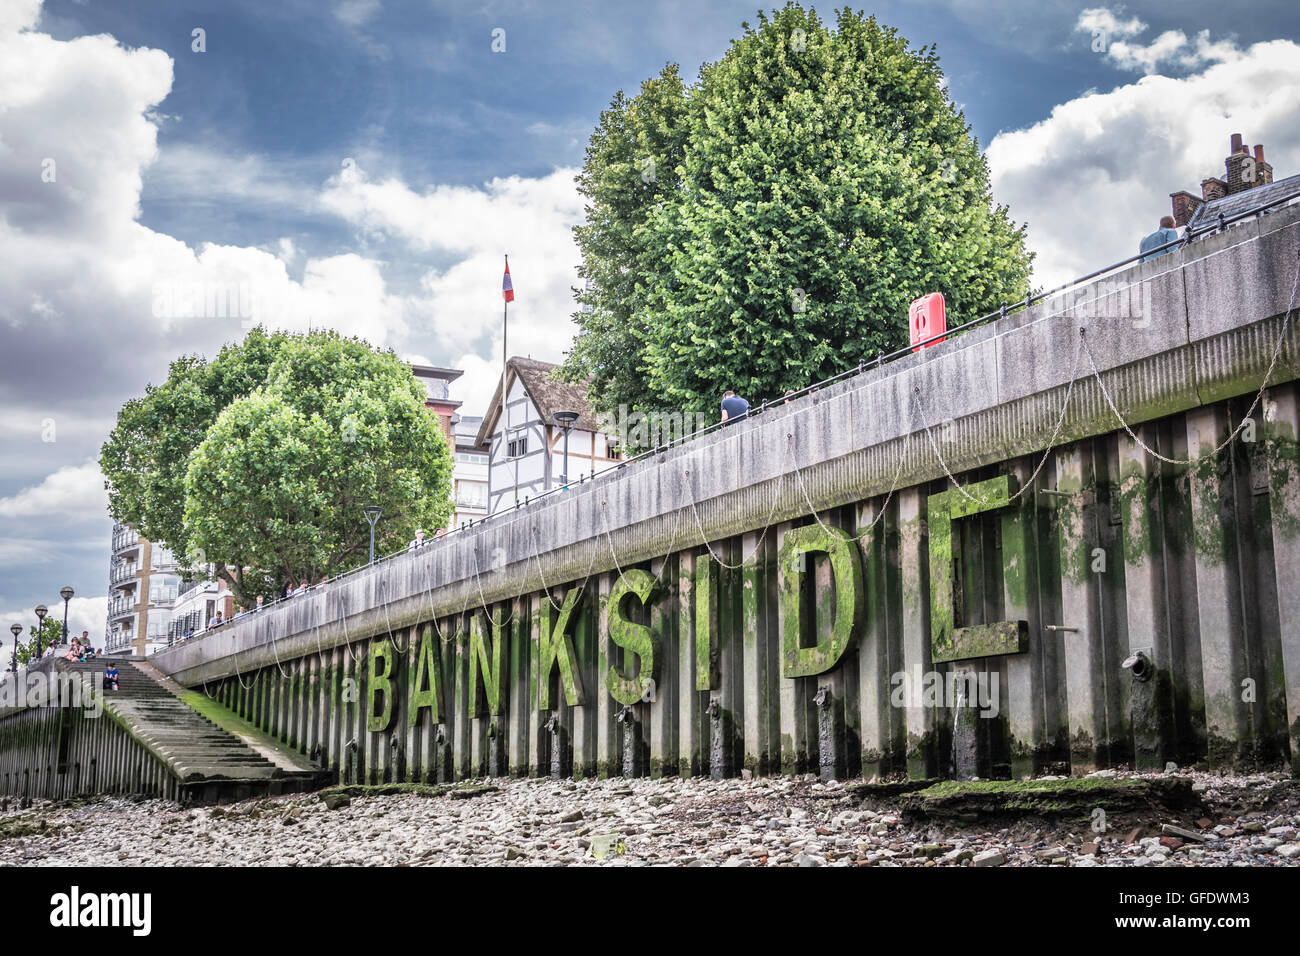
(1103, 552)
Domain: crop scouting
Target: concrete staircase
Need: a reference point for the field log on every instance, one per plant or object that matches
(210, 762)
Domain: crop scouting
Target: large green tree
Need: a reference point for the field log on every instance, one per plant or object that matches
(631, 170)
(147, 454)
(280, 447)
(825, 180)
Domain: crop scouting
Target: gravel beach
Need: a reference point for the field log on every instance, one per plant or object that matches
(1246, 820)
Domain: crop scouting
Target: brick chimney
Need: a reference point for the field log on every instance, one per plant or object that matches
(1263, 171)
(1244, 170)
(1184, 207)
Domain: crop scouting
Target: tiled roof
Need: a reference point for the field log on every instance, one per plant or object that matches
(1208, 213)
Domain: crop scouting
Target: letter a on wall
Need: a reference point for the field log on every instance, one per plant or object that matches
(635, 639)
(846, 575)
(426, 680)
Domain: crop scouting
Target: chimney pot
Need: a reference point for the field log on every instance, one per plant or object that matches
(1236, 144)
(1259, 153)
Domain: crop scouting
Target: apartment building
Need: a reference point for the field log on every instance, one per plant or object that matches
(142, 588)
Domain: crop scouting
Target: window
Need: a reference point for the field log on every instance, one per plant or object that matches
(517, 447)
(471, 494)
(471, 459)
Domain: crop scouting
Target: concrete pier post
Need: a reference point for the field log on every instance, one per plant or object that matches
(1150, 672)
(1081, 642)
(1022, 700)
(922, 744)
(663, 711)
(609, 736)
(521, 706)
(757, 681)
(1223, 646)
(1281, 432)
(692, 701)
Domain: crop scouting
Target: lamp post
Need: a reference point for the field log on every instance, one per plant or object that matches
(41, 611)
(66, 593)
(372, 515)
(565, 420)
(15, 630)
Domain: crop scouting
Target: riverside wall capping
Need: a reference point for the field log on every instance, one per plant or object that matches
(1190, 328)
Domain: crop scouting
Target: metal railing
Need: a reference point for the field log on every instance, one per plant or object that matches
(125, 539)
(122, 572)
(120, 606)
(1217, 226)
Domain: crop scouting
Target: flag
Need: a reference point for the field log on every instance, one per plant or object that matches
(507, 290)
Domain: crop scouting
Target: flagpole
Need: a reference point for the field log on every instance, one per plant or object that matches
(505, 325)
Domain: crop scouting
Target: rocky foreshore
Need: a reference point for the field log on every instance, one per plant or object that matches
(1241, 820)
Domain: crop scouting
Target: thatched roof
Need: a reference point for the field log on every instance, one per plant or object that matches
(548, 393)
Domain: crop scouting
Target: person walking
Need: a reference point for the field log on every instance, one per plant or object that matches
(1165, 234)
(734, 408)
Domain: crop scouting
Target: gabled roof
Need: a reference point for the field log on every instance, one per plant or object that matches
(1208, 213)
(547, 392)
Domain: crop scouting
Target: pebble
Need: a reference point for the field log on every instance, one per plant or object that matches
(643, 822)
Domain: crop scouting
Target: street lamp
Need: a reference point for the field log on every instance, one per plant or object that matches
(41, 611)
(372, 515)
(565, 420)
(66, 593)
(15, 630)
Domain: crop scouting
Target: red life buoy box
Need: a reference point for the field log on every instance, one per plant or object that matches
(926, 319)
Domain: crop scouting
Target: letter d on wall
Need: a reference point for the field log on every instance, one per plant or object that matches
(846, 575)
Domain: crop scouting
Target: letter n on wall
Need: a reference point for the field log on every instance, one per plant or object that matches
(490, 662)
(948, 642)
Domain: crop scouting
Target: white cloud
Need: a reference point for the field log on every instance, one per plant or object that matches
(355, 13)
(73, 491)
(1095, 176)
(82, 275)
(1114, 37)
(84, 614)
(1103, 23)
(460, 305)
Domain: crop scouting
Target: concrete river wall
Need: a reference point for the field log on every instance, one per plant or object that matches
(808, 591)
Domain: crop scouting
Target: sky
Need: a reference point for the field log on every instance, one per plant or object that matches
(365, 164)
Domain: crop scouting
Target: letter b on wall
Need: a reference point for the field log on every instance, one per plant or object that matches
(846, 596)
(380, 684)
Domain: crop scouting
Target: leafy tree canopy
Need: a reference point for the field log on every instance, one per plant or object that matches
(51, 634)
(768, 226)
(262, 460)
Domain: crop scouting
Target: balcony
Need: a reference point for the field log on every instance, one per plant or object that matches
(124, 539)
(120, 606)
(122, 572)
(162, 595)
(119, 638)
